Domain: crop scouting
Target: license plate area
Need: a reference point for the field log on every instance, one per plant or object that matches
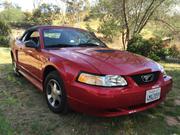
(153, 95)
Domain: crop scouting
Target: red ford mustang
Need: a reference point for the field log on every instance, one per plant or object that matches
(76, 70)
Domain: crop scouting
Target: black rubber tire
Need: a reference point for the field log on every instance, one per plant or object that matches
(63, 108)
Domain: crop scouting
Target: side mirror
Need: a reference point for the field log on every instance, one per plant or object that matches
(31, 44)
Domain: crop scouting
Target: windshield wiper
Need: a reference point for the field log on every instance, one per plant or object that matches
(69, 45)
(59, 45)
(89, 45)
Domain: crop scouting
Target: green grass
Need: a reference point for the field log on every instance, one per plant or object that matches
(23, 111)
(5, 128)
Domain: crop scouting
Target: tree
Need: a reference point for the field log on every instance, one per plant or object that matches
(4, 33)
(166, 19)
(45, 14)
(129, 17)
(76, 10)
(11, 13)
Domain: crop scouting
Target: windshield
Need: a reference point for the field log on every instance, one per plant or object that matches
(67, 37)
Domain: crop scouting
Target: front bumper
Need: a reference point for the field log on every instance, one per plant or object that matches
(109, 102)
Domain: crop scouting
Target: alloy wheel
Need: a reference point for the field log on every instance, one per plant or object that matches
(54, 93)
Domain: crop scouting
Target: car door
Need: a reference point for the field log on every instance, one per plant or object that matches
(20, 52)
(31, 58)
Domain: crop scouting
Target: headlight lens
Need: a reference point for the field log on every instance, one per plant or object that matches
(106, 80)
(164, 73)
(162, 70)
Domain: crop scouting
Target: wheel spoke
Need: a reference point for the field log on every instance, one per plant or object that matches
(55, 86)
(58, 92)
(49, 97)
(53, 102)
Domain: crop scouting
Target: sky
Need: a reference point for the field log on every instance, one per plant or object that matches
(27, 5)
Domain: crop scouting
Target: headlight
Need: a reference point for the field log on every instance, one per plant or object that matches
(164, 73)
(162, 70)
(106, 80)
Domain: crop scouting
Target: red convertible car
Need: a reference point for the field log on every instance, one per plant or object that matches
(76, 70)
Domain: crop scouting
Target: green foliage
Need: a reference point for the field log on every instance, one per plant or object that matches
(158, 48)
(12, 15)
(4, 33)
(152, 48)
(109, 28)
(139, 45)
(44, 14)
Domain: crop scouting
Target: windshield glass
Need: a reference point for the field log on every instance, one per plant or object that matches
(67, 37)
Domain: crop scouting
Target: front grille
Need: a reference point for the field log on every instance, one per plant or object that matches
(146, 78)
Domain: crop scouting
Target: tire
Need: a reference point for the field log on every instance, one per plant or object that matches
(55, 93)
(15, 69)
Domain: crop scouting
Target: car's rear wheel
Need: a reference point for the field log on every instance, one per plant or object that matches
(55, 93)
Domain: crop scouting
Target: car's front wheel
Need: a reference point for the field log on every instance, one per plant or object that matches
(55, 93)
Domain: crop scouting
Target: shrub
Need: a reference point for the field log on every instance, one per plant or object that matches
(152, 48)
(158, 48)
(139, 45)
(4, 33)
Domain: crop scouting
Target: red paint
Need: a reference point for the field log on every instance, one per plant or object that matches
(94, 100)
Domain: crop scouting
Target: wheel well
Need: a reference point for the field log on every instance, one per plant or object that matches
(47, 70)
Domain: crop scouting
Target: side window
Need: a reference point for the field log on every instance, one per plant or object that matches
(33, 35)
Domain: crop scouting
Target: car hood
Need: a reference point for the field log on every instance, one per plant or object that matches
(109, 61)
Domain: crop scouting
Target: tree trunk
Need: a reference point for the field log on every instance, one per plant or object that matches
(125, 33)
(125, 39)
